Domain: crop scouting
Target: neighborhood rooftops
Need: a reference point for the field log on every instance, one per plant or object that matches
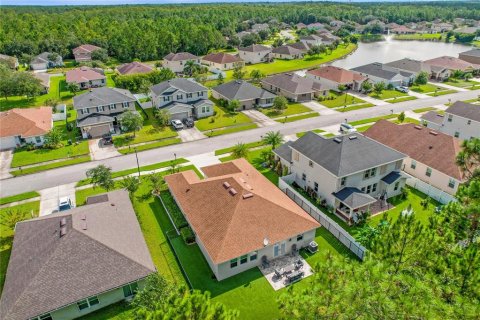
(84, 74)
(180, 56)
(44, 58)
(286, 49)
(62, 258)
(172, 85)
(255, 48)
(26, 122)
(293, 83)
(471, 53)
(85, 48)
(221, 57)
(434, 149)
(452, 63)
(236, 209)
(337, 74)
(408, 64)
(433, 116)
(465, 110)
(376, 69)
(101, 97)
(345, 155)
(353, 197)
(242, 90)
(134, 67)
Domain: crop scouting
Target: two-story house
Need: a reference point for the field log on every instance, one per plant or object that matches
(351, 173)
(461, 120)
(176, 61)
(256, 53)
(99, 110)
(183, 98)
(84, 52)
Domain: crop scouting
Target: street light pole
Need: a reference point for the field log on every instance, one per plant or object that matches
(138, 165)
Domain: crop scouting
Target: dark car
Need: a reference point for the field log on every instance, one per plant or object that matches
(189, 122)
(107, 139)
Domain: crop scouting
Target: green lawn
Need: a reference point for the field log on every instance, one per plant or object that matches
(375, 119)
(153, 145)
(221, 119)
(407, 120)
(49, 166)
(30, 210)
(301, 134)
(19, 197)
(57, 91)
(357, 107)
(441, 93)
(110, 82)
(422, 110)
(425, 88)
(231, 129)
(150, 131)
(292, 108)
(248, 145)
(420, 36)
(401, 99)
(296, 118)
(387, 94)
(340, 100)
(472, 85)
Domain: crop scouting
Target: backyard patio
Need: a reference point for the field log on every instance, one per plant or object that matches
(286, 270)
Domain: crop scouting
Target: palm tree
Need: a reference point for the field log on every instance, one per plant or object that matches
(239, 151)
(190, 68)
(273, 138)
(131, 184)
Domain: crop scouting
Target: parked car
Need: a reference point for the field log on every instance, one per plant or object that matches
(189, 122)
(65, 204)
(177, 124)
(402, 89)
(347, 128)
(107, 139)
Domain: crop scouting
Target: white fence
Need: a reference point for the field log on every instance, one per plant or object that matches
(429, 190)
(216, 72)
(61, 113)
(326, 222)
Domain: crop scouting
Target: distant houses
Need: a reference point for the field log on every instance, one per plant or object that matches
(222, 61)
(176, 61)
(332, 77)
(255, 53)
(12, 62)
(472, 56)
(84, 52)
(134, 67)
(443, 67)
(376, 72)
(46, 60)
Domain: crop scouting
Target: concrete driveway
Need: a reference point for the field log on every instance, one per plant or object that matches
(317, 107)
(49, 197)
(5, 161)
(99, 151)
(190, 134)
(259, 118)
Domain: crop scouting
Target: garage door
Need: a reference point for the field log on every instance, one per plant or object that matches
(179, 116)
(98, 131)
(7, 143)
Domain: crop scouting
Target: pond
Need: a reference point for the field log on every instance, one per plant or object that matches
(391, 50)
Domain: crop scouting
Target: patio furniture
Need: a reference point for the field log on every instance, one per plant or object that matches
(312, 247)
(265, 263)
(288, 269)
(293, 277)
(298, 264)
(294, 250)
(277, 273)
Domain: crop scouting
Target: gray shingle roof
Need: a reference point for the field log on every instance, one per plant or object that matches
(471, 53)
(284, 151)
(465, 110)
(376, 69)
(292, 83)
(101, 96)
(180, 56)
(94, 119)
(347, 154)
(433, 116)
(242, 90)
(411, 65)
(48, 271)
(353, 197)
(43, 58)
(286, 50)
(255, 48)
(175, 84)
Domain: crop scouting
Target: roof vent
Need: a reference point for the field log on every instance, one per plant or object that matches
(84, 226)
(247, 195)
(248, 186)
(430, 147)
(226, 185)
(337, 140)
(84, 217)
(232, 191)
(433, 133)
(63, 231)
(418, 127)
(63, 222)
(352, 137)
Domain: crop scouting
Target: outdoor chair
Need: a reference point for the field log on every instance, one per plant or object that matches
(277, 274)
(294, 250)
(265, 263)
(298, 264)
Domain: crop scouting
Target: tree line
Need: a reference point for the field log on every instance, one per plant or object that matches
(149, 32)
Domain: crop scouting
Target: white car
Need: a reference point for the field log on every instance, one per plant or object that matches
(177, 124)
(347, 128)
(65, 204)
(402, 89)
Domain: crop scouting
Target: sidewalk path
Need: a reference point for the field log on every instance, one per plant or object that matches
(447, 86)
(5, 161)
(99, 151)
(418, 94)
(259, 118)
(50, 197)
(368, 99)
(322, 110)
(203, 160)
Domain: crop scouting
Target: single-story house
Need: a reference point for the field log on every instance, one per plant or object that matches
(176, 61)
(247, 94)
(183, 98)
(100, 110)
(287, 52)
(472, 56)
(45, 61)
(315, 26)
(86, 77)
(12, 62)
(83, 53)
(45, 80)
(222, 61)
(24, 126)
(255, 53)
(376, 72)
(402, 30)
(302, 46)
(443, 67)
(332, 77)
(300, 26)
(441, 27)
(257, 27)
(68, 264)
(423, 149)
(294, 87)
(408, 65)
(239, 217)
(312, 40)
(133, 68)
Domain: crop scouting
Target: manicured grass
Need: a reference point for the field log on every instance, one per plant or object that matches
(363, 128)
(231, 129)
(30, 210)
(424, 88)
(340, 100)
(19, 197)
(151, 131)
(151, 167)
(296, 118)
(176, 214)
(402, 99)
(407, 120)
(387, 94)
(441, 93)
(328, 135)
(49, 166)
(422, 110)
(153, 145)
(292, 108)
(301, 134)
(222, 118)
(110, 82)
(248, 145)
(420, 36)
(357, 107)
(463, 83)
(370, 120)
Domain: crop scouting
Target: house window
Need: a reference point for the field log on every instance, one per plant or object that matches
(87, 303)
(125, 105)
(343, 181)
(450, 117)
(304, 176)
(205, 109)
(100, 108)
(428, 173)
(38, 139)
(457, 134)
(189, 95)
(398, 165)
(112, 107)
(253, 256)
(310, 163)
(300, 237)
(373, 172)
(469, 122)
(296, 156)
(130, 289)
(85, 111)
(451, 183)
(233, 263)
(369, 188)
(413, 164)
(200, 94)
(179, 96)
(315, 186)
(374, 187)
(366, 174)
(167, 98)
(397, 184)
(244, 259)
(363, 189)
(45, 316)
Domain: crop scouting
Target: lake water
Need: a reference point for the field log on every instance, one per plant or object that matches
(391, 50)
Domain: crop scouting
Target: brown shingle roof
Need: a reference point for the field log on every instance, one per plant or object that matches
(103, 248)
(221, 57)
(434, 149)
(230, 225)
(83, 74)
(85, 48)
(26, 122)
(180, 56)
(134, 67)
(452, 63)
(293, 83)
(337, 74)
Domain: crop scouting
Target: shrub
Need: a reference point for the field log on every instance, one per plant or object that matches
(187, 235)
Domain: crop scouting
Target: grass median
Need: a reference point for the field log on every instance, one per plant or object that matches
(50, 166)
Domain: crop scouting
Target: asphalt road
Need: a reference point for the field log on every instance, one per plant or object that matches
(55, 177)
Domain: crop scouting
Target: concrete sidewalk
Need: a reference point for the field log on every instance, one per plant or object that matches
(317, 107)
(368, 99)
(447, 86)
(259, 118)
(5, 162)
